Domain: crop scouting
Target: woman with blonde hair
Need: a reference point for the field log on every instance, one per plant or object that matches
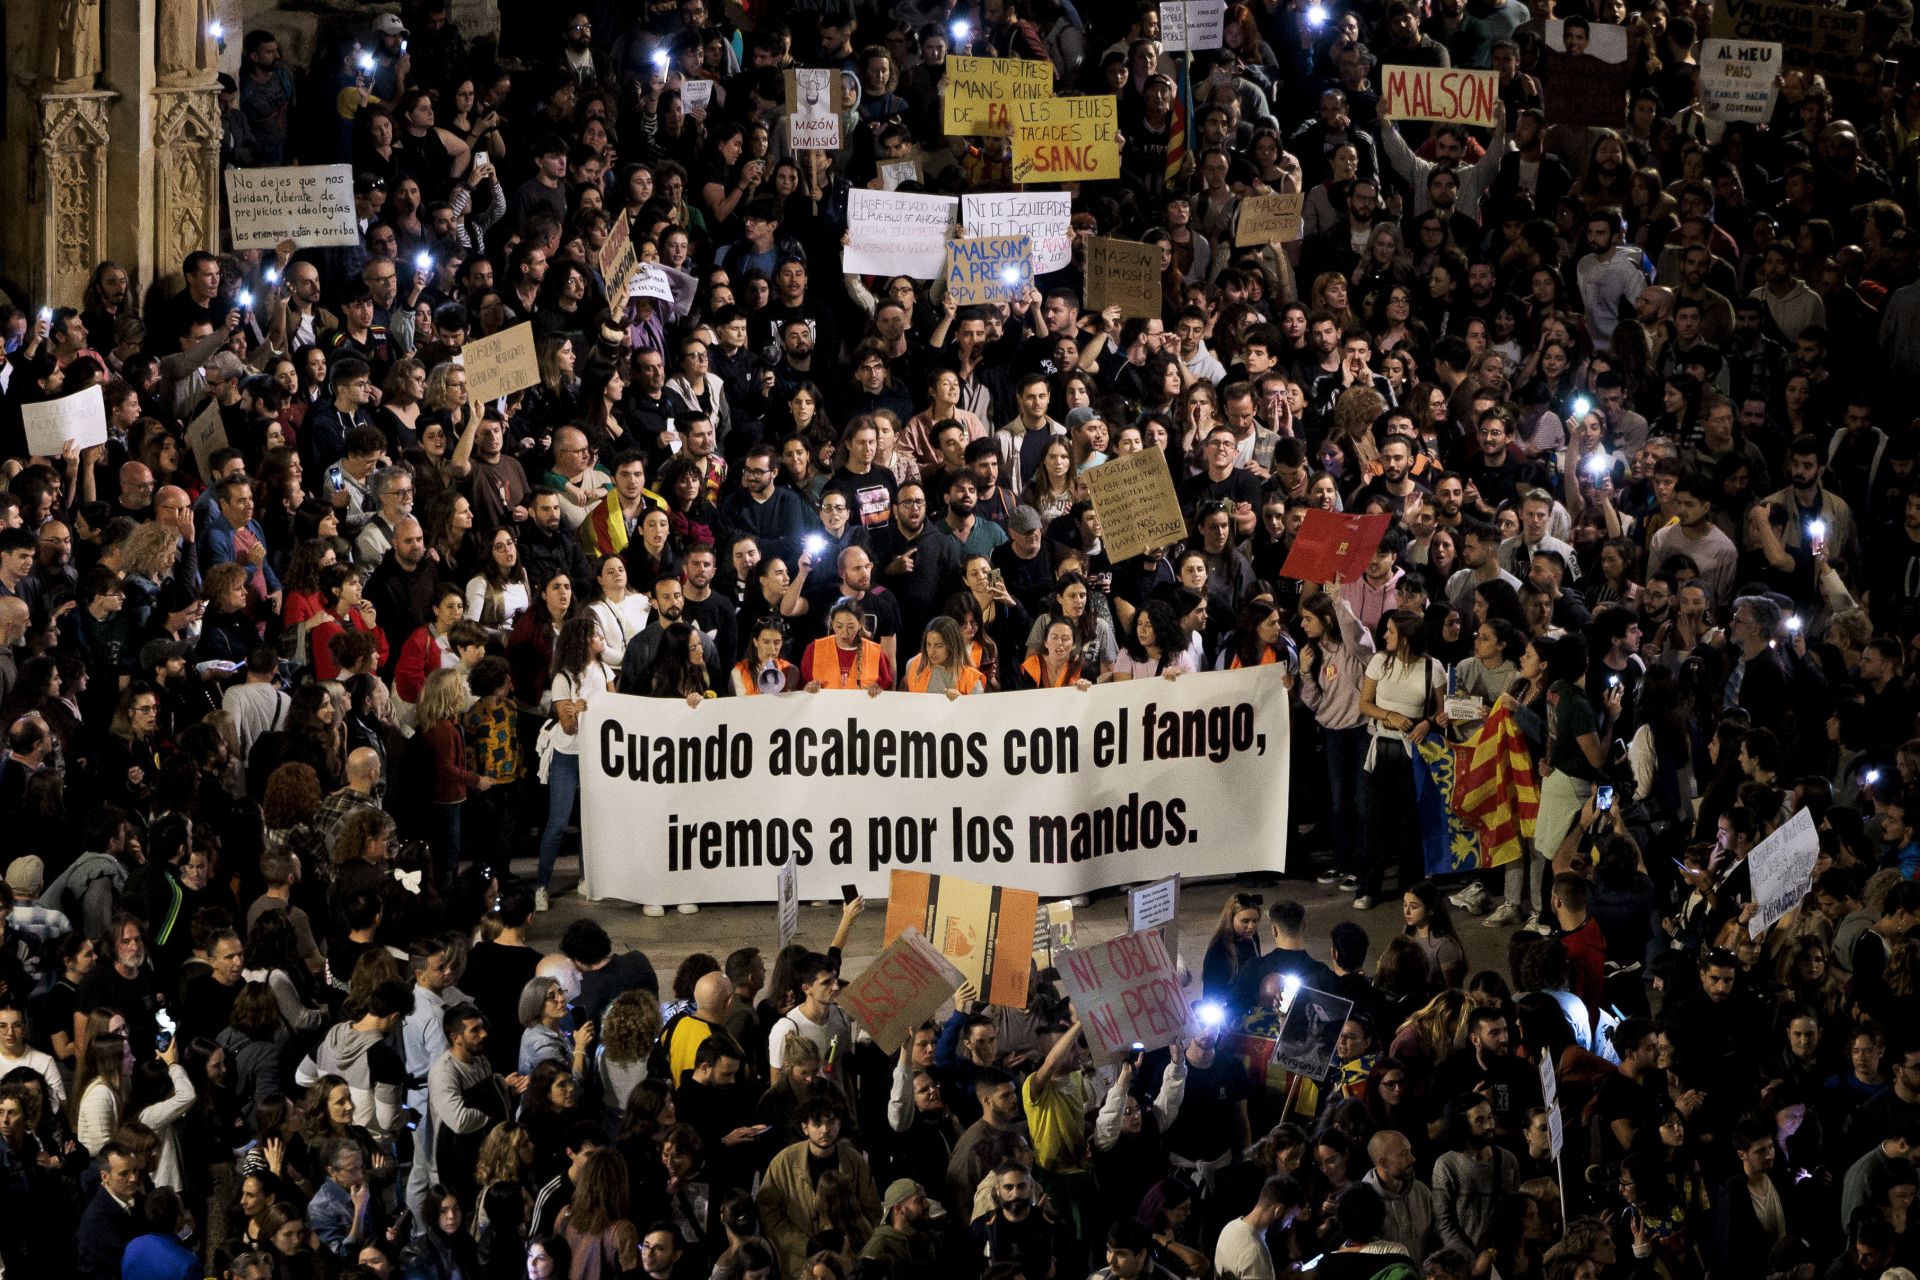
(1329, 294)
(443, 699)
(628, 1030)
(1429, 1037)
(99, 1089)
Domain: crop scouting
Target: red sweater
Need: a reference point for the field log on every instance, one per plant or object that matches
(451, 777)
(324, 667)
(1586, 949)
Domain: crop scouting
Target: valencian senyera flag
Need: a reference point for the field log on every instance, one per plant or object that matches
(1495, 789)
(1451, 844)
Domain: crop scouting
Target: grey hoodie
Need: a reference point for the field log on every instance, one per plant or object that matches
(1409, 1214)
(87, 890)
(372, 1068)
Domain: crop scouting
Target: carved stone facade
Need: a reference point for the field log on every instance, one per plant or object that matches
(186, 173)
(73, 150)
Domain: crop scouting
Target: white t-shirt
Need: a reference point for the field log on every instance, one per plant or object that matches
(1241, 1253)
(594, 680)
(619, 623)
(1405, 689)
(821, 1033)
(49, 1071)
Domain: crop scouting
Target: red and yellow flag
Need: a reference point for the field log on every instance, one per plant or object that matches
(1495, 789)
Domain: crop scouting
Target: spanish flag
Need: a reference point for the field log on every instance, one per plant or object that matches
(1495, 788)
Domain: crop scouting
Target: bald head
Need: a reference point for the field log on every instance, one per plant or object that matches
(712, 996)
(173, 508)
(136, 486)
(1391, 1153)
(1654, 304)
(13, 619)
(363, 768)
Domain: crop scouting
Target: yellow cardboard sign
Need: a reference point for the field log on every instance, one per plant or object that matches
(1066, 139)
(980, 93)
(1269, 219)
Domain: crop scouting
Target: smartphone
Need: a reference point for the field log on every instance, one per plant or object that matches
(165, 1023)
(849, 892)
(1685, 870)
(479, 159)
(996, 578)
(1603, 799)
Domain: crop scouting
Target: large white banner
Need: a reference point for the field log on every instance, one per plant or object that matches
(1053, 790)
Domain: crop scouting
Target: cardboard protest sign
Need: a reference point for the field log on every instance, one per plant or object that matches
(1153, 905)
(205, 434)
(988, 269)
(813, 118)
(80, 417)
(984, 929)
(1134, 497)
(1782, 870)
(312, 205)
(1811, 37)
(1066, 139)
(1044, 216)
(900, 989)
(501, 364)
(1124, 274)
(980, 93)
(896, 233)
(1737, 79)
(1127, 993)
(1584, 72)
(1448, 96)
(895, 173)
(786, 904)
(1271, 219)
(617, 257)
(1307, 1036)
(1334, 542)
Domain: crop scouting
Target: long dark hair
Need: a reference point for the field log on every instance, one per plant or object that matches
(672, 674)
(1411, 631)
(1439, 919)
(1322, 606)
(1168, 634)
(573, 648)
(1246, 632)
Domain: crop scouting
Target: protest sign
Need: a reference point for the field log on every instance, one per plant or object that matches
(813, 123)
(311, 205)
(786, 903)
(1153, 905)
(206, 433)
(896, 233)
(1269, 219)
(1550, 1099)
(980, 93)
(1307, 1037)
(1124, 274)
(986, 930)
(649, 280)
(1584, 71)
(988, 269)
(500, 364)
(901, 989)
(1811, 37)
(80, 417)
(1737, 79)
(1206, 24)
(1126, 993)
(1334, 542)
(1441, 94)
(893, 173)
(617, 256)
(1044, 216)
(1138, 508)
(1782, 870)
(1066, 139)
(1105, 787)
(1173, 26)
(1052, 932)
(696, 95)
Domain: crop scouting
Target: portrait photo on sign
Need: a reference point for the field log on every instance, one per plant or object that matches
(1578, 36)
(1307, 1037)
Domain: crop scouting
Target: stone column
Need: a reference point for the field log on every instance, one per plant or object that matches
(73, 201)
(186, 174)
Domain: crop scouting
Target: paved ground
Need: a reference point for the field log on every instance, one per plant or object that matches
(669, 939)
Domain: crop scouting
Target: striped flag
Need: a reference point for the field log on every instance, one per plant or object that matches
(1176, 141)
(1495, 788)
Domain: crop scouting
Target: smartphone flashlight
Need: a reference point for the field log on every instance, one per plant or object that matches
(815, 545)
(1316, 15)
(962, 30)
(1010, 274)
(215, 31)
(1211, 1014)
(660, 59)
(1582, 407)
(1793, 623)
(246, 299)
(1816, 529)
(422, 260)
(1873, 777)
(366, 63)
(46, 313)
(273, 275)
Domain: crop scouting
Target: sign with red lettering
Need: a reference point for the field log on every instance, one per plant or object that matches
(1127, 993)
(1334, 543)
(1066, 139)
(900, 989)
(1448, 95)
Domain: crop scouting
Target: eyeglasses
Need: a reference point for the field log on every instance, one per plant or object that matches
(757, 471)
(911, 502)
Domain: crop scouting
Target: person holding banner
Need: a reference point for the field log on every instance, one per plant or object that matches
(941, 666)
(846, 659)
(579, 675)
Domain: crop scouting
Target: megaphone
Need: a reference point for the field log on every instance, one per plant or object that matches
(772, 679)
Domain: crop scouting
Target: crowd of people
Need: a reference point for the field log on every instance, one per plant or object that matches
(1629, 396)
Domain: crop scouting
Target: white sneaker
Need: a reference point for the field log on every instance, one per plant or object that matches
(652, 909)
(1507, 913)
(540, 902)
(1535, 924)
(1468, 892)
(688, 908)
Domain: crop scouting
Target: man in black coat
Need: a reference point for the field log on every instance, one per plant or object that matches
(401, 589)
(113, 1217)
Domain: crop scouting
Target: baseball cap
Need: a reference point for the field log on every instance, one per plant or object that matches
(1024, 520)
(29, 875)
(1083, 414)
(899, 1191)
(389, 24)
(156, 652)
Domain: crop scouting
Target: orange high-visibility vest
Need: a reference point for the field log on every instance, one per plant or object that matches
(920, 676)
(826, 664)
(1036, 671)
(1267, 658)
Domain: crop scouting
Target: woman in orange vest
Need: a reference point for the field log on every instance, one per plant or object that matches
(941, 666)
(1057, 665)
(1260, 640)
(766, 671)
(846, 659)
